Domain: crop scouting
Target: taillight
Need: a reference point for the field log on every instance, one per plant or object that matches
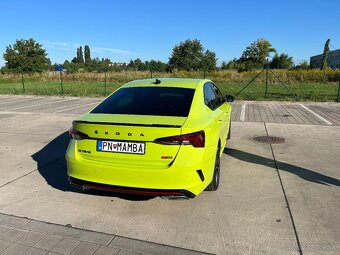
(196, 139)
(75, 134)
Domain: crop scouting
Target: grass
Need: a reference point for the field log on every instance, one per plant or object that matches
(95, 89)
(255, 91)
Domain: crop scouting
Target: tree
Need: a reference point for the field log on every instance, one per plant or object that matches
(303, 65)
(282, 61)
(209, 61)
(131, 64)
(325, 55)
(153, 65)
(71, 67)
(80, 55)
(26, 56)
(147, 65)
(224, 65)
(189, 55)
(87, 55)
(138, 64)
(256, 54)
(75, 60)
(232, 64)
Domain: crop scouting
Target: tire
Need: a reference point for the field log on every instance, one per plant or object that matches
(229, 133)
(213, 186)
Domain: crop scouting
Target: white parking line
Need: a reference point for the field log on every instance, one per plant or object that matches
(19, 101)
(243, 112)
(76, 107)
(315, 114)
(28, 106)
(32, 113)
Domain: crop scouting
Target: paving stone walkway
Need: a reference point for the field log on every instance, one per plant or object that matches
(30, 237)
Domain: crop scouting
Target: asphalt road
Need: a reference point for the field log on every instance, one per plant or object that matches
(273, 199)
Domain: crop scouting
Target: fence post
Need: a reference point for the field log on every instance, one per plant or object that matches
(105, 84)
(267, 68)
(338, 98)
(22, 81)
(61, 83)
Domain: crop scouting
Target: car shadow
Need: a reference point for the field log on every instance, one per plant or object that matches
(51, 164)
(303, 173)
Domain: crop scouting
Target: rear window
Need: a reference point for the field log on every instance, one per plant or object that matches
(159, 101)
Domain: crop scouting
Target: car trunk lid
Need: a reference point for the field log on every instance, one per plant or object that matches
(128, 130)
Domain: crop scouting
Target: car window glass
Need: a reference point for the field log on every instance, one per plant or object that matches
(160, 101)
(219, 95)
(209, 97)
(125, 100)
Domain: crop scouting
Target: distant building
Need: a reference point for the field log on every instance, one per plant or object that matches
(333, 60)
(117, 64)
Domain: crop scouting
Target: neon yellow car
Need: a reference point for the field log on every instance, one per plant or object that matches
(161, 137)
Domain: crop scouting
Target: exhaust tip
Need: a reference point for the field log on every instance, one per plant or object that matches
(172, 197)
(78, 186)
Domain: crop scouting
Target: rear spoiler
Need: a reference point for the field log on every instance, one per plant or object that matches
(126, 124)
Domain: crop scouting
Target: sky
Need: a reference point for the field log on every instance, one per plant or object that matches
(149, 29)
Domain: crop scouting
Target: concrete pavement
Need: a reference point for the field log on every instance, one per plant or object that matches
(244, 111)
(273, 199)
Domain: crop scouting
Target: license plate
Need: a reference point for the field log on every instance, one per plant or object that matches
(121, 147)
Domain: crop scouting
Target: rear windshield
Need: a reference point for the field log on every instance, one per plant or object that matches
(159, 101)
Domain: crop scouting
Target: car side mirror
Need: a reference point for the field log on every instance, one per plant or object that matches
(229, 98)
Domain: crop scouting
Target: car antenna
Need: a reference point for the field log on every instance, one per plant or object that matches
(157, 81)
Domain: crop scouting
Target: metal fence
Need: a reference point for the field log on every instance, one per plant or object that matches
(263, 84)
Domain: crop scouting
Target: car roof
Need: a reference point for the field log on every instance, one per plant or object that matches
(167, 82)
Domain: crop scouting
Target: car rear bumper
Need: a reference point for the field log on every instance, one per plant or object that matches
(137, 191)
(168, 181)
(189, 174)
(186, 176)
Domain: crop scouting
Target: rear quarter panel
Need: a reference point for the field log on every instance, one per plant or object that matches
(202, 117)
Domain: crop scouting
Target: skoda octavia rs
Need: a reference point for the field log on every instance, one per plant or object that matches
(161, 137)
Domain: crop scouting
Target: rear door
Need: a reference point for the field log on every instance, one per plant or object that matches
(215, 102)
(224, 108)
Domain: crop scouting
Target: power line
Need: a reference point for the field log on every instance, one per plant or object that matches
(332, 46)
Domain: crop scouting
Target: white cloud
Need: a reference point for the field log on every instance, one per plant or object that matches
(67, 46)
(54, 44)
(77, 45)
(112, 50)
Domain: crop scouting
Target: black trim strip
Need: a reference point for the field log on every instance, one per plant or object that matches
(120, 189)
(127, 124)
(200, 174)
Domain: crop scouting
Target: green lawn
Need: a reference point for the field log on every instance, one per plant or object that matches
(54, 88)
(304, 91)
(255, 91)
